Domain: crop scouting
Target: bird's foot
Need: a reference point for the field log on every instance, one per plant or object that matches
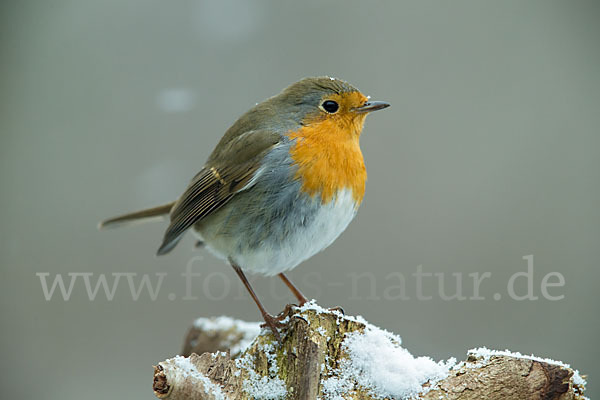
(274, 324)
(279, 321)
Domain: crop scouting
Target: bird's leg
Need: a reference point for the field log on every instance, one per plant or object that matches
(270, 320)
(301, 298)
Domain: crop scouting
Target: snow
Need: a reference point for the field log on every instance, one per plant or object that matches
(188, 369)
(334, 388)
(266, 387)
(312, 305)
(249, 330)
(378, 363)
(485, 354)
(224, 323)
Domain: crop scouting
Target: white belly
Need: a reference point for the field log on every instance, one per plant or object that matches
(305, 236)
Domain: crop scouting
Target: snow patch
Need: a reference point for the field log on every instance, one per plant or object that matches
(249, 331)
(267, 387)
(378, 363)
(313, 306)
(187, 368)
(486, 353)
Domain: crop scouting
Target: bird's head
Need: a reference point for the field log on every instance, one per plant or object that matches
(329, 102)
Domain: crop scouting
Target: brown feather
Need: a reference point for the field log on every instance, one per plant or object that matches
(229, 169)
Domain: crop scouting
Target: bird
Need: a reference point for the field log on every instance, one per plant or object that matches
(282, 184)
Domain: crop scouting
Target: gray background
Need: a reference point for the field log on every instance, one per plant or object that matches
(490, 152)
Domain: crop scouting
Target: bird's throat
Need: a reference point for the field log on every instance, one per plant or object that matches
(328, 160)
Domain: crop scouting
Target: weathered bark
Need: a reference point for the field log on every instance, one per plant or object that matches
(312, 349)
(504, 377)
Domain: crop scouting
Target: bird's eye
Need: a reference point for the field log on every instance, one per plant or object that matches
(330, 106)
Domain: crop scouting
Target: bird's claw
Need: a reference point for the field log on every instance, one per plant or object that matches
(276, 322)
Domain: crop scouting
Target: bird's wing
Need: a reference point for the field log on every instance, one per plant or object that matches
(230, 169)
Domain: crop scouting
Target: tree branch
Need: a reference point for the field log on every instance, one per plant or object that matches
(327, 355)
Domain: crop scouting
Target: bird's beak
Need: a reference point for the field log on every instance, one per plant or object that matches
(371, 106)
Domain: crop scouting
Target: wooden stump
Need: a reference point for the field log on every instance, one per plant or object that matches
(313, 354)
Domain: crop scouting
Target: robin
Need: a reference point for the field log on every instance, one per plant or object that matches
(282, 184)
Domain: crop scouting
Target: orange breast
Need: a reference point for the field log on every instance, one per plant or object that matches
(329, 159)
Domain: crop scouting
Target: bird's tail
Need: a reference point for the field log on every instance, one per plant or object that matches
(138, 216)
